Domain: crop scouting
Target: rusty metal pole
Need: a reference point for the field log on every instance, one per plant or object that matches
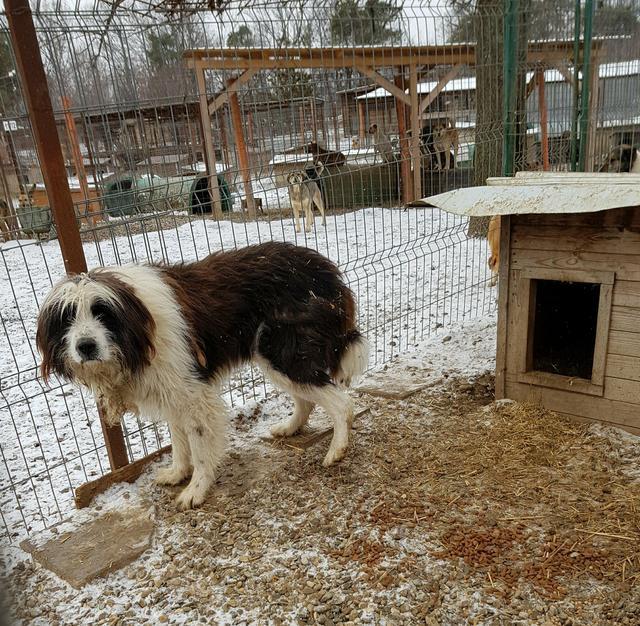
(38, 102)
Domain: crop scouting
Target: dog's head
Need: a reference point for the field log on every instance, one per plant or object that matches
(295, 178)
(93, 324)
(373, 129)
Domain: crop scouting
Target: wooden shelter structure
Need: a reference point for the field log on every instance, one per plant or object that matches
(569, 290)
(407, 63)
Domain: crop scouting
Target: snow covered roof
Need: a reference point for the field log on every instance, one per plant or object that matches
(468, 83)
(541, 192)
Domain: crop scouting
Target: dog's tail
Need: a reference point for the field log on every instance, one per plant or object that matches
(355, 358)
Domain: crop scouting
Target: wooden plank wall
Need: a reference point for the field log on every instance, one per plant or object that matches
(606, 241)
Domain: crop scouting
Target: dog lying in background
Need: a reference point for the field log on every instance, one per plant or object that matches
(446, 140)
(493, 237)
(623, 158)
(382, 144)
(326, 157)
(304, 192)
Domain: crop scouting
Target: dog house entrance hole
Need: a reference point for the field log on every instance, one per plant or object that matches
(565, 320)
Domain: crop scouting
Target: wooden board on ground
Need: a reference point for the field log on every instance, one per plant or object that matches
(97, 548)
(309, 435)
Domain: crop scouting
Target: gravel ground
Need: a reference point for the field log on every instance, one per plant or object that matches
(386, 537)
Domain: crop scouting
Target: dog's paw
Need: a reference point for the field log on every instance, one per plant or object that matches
(283, 429)
(171, 475)
(190, 498)
(335, 454)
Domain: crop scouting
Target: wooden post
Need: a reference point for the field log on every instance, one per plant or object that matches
(314, 121)
(72, 135)
(243, 155)
(38, 102)
(416, 156)
(250, 128)
(301, 118)
(362, 121)
(222, 124)
(544, 123)
(207, 140)
(405, 154)
(336, 128)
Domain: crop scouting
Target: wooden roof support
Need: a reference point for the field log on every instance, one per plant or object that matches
(442, 83)
(233, 85)
(386, 84)
(405, 154)
(207, 139)
(243, 155)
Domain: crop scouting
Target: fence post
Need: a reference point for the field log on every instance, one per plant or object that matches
(510, 52)
(586, 83)
(38, 102)
(576, 86)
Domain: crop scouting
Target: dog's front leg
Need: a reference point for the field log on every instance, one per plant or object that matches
(296, 214)
(180, 467)
(206, 431)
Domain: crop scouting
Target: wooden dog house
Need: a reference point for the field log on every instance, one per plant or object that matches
(569, 290)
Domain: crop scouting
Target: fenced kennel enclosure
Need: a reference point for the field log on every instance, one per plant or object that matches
(174, 127)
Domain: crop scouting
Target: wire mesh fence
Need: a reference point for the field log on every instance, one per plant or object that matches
(375, 103)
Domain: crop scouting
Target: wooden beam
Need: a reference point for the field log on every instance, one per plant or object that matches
(233, 85)
(386, 84)
(72, 134)
(504, 271)
(207, 139)
(405, 154)
(544, 119)
(129, 473)
(441, 84)
(530, 86)
(362, 121)
(565, 71)
(243, 155)
(416, 156)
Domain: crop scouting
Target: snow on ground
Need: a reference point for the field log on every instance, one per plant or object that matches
(413, 271)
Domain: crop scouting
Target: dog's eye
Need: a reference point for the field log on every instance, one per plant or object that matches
(103, 312)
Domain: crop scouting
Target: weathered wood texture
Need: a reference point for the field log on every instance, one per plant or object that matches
(595, 245)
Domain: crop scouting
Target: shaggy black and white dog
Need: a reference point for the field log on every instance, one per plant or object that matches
(159, 340)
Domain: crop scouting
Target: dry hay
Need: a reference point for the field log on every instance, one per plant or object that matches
(536, 498)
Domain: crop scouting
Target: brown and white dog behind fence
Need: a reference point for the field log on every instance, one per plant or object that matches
(623, 158)
(382, 144)
(446, 140)
(160, 340)
(493, 237)
(304, 192)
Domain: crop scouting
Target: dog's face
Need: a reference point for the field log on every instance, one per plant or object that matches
(92, 324)
(373, 129)
(295, 178)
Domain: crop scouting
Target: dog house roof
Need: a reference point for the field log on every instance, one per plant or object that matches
(541, 192)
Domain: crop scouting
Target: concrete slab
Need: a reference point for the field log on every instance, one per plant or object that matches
(96, 548)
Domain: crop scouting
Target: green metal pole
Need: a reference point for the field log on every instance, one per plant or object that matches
(584, 92)
(509, 59)
(577, 64)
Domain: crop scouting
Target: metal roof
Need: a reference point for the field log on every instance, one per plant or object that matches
(541, 192)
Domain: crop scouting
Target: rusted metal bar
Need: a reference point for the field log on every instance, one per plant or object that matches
(544, 120)
(38, 102)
